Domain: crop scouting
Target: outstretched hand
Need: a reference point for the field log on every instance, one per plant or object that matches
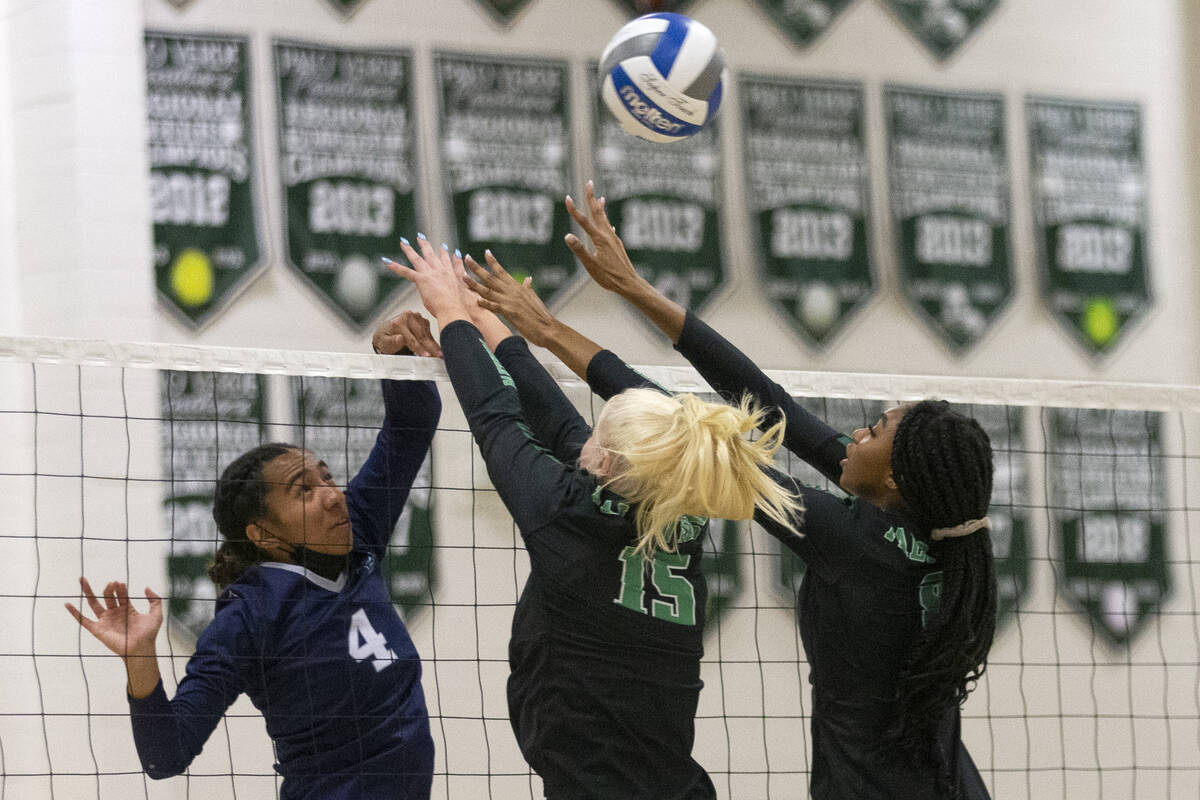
(406, 333)
(118, 625)
(499, 292)
(607, 262)
(435, 277)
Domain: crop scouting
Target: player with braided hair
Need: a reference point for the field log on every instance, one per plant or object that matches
(304, 625)
(897, 607)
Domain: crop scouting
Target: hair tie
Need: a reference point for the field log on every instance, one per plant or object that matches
(963, 529)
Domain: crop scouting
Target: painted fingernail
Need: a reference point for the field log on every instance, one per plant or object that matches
(569, 200)
(387, 260)
(444, 247)
(457, 254)
(406, 243)
(420, 235)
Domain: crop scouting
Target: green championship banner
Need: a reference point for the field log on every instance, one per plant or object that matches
(942, 25)
(639, 7)
(504, 10)
(1108, 499)
(808, 196)
(202, 201)
(804, 20)
(505, 141)
(1010, 507)
(949, 192)
(1089, 202)
(347, 158)
(841, 414)
(209, 419)
(665, 201)
(346, 7)
(339, 419)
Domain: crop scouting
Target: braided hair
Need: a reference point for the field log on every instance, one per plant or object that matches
(942, 465)
(240, 499)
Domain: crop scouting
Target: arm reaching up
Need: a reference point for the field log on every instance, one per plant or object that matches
(499, 292)
(610, 267)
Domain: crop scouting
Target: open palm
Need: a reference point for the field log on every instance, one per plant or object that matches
(118, 625)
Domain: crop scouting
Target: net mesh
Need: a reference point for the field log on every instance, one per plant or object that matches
(1093, 685)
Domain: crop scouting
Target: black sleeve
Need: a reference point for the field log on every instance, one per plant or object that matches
(732, 374)
(533, 484)
(549, 414)
(830, 526)
(608, 375)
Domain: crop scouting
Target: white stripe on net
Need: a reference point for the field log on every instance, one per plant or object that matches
(801, 383)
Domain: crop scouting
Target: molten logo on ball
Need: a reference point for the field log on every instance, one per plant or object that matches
(661, 77)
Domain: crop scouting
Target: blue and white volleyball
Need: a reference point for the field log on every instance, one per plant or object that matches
(661, 76)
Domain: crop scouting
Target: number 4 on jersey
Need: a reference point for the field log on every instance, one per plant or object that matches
(366, 642)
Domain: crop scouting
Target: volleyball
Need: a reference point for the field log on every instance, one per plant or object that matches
(661, 76)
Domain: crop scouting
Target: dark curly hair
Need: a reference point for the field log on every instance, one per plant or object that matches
(240, 499)
(942, 465)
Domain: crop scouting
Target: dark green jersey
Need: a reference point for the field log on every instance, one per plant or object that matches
(869, 580)
(606, 643)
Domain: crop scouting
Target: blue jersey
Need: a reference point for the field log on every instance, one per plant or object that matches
(329, 663)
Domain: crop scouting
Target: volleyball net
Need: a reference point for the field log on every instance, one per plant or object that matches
(112, 450)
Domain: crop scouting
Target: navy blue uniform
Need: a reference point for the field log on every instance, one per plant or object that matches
(869, 581)
(606, 645)
(328, 663)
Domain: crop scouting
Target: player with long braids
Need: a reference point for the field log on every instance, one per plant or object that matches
(897, 608)
(607, 635)
(304, 625)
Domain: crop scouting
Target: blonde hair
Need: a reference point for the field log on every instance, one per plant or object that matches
(680, 455)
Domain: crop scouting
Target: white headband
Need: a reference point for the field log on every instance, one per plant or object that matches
(965, 529)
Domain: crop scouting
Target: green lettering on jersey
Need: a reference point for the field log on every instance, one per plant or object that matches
(690, 527)
(912, 547)
(606, 504)
(929, 595)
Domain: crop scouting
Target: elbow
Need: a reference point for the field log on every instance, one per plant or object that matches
(158, 772)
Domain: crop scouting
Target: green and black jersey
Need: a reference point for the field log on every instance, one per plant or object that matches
(869, 581)
(606, 643)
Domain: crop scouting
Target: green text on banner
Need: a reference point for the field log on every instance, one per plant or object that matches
(202, 199)
(805, 21)
(347, 159)
(209, 419)
(1108, 496)
(808, 197)
(665, 201)
(942, 25)
(950, 200)
(505, 142)
(1089, 203)
(339, 419)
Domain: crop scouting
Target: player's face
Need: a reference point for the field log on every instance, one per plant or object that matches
(304, 505)
(867, 467)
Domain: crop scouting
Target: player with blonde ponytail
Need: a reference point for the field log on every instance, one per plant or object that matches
(607, 635)
(677, 455)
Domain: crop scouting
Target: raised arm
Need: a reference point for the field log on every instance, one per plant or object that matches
(168, 734)
(377, 494)
(726, 368)
(498, 292)
(527, 476)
